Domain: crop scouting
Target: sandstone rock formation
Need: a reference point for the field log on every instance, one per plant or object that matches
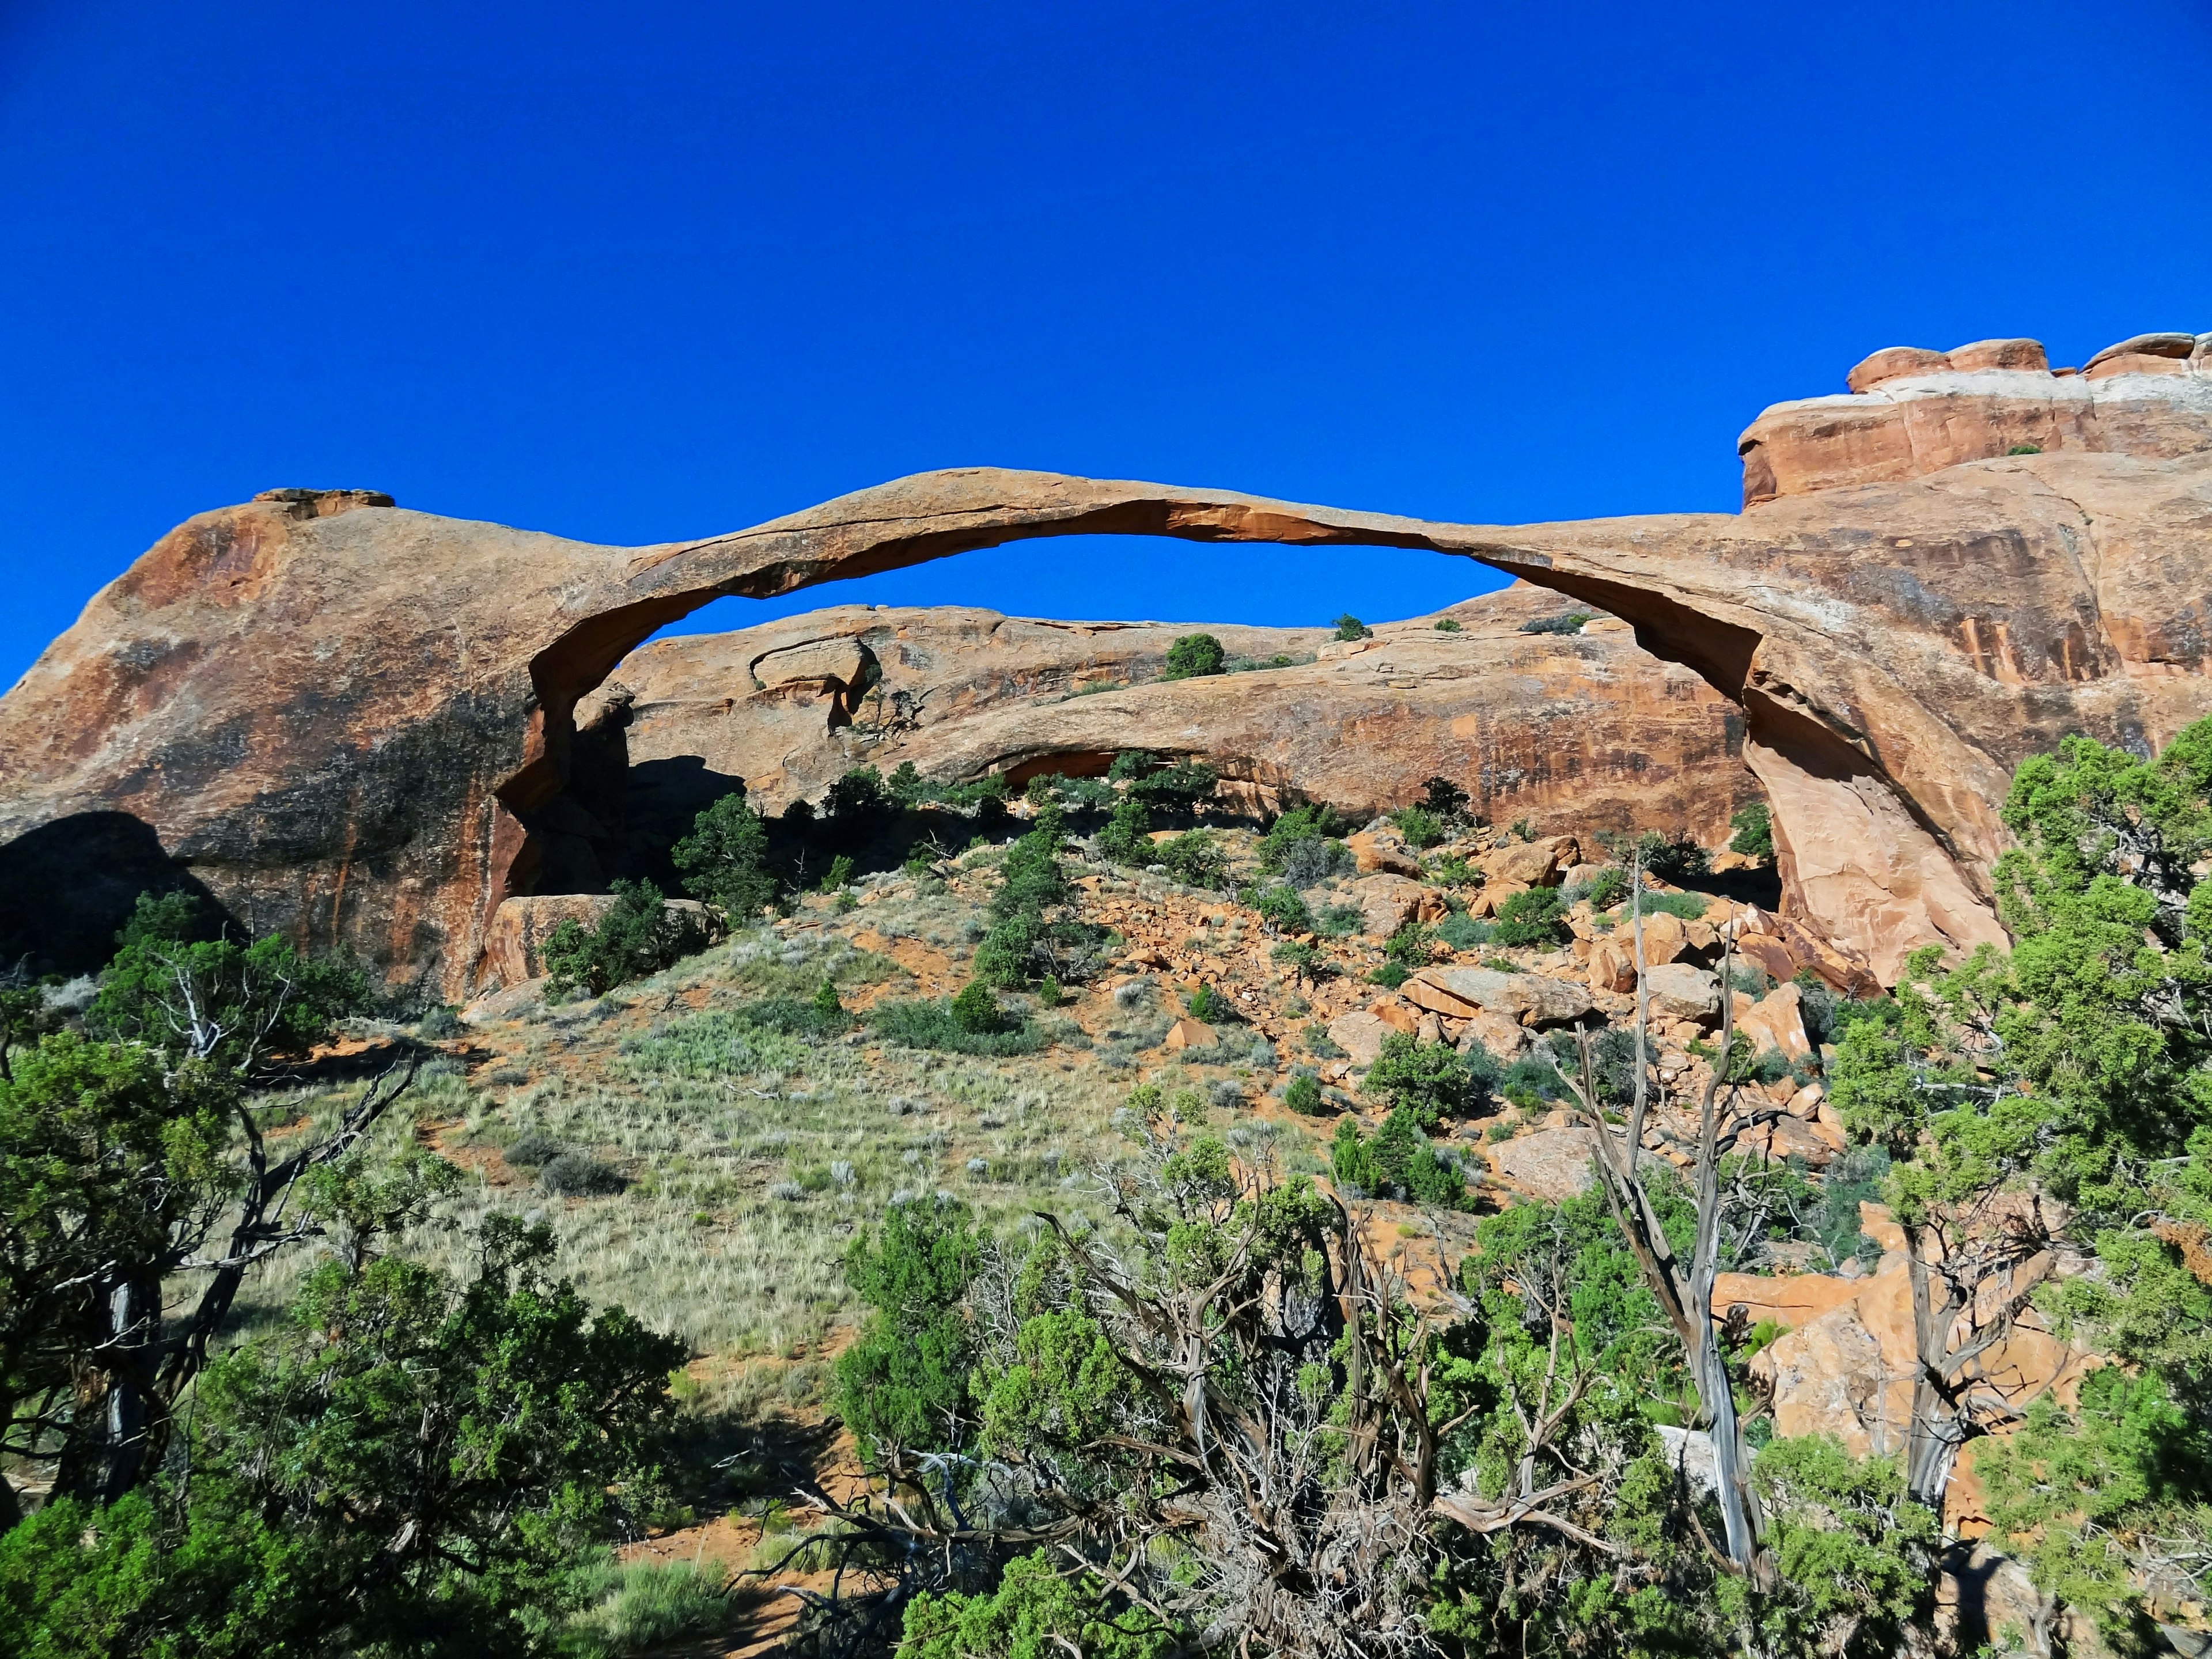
(1582, 729)
(352, 722)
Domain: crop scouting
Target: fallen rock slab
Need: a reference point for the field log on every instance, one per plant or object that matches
(1551, 1164)
(1532, 999)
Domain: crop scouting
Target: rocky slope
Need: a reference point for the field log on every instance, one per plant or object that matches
(354, 722)
(1579, 730)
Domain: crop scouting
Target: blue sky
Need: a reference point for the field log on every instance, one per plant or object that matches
(647, 271)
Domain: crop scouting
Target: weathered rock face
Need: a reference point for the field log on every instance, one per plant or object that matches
(1584, 729)
(356, 723)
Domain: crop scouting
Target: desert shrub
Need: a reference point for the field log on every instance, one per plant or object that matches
(1193, 655)
(532, 1149)
(856, 796)
(904, 1382)
(1312, 860)
(1754, 825)
(638, 935)
(724, 860)
(1533, 917)
(644, 1606)
(1206, 1005)
(1300, 824)
(181, 986)
(1447, 625)
(1126, 836)
(1613, 1066)
(1034, 1610)
(1455, 871)
(1281, 908)
(1603, 890)
(1319, 1043)
(1390, 975)
(1420, 827)
(1194, 858)
(1341, 921)
(1427, 1079)
(1413, 946)
(578, 1175)
(932, 1024)
(906, 786)
(1130, 764)
(1463, 931)
(1181, 787)
(1302, 1094)
(2025, 449)
(1673, 857)
(1567, 622)
(1349, 626)
(1444, 797)
(1396, 1161)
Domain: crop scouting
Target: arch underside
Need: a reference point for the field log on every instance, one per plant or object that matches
(1860, 854)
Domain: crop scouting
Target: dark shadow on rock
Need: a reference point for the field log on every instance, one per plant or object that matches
(66, 887)
(662, 798)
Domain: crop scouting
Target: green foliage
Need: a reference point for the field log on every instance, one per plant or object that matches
(1447, 625)
(1194, 858)
(2025, 449)
(1127, 837)
(642, 1606)
(1854, 1555)
(1302, 1094)
(927, 1025)
(1391, 974)
(1535, 916)
(1754, 825)
(857, 796)
(1418, 826)
(1427, 1079)
(1309, 965)
(107, 1159)
(1282, 908)
(1130, 764)
(412, 1465)
(1602, 891)
(214, 999)
(1193, 655)
(1207, 1005)
(1182, 787)
(638, 935)
(1463, 931)
(904, 1382)
(1341, 921)
(1035, 933)
(1396, 1161)
(1568, 622)
(1446, 798)
(1034, 1613)
(906, 786)
(2072, 1492)
(1412, 946)
(1300, 823)
(1349, 626)
(724, 859)
(1675, 858)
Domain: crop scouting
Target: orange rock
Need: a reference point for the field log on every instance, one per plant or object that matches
(1532, 864)
(1188, 1033)
(1775, 1021)
(1396, 1015)
(1373, 850)
(1360, 1035)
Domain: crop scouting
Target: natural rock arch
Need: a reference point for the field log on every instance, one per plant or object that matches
(344, 718)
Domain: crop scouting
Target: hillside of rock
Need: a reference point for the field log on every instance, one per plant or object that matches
(1581, 730)
(352, 722)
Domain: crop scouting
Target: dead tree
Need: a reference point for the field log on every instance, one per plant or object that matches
(1684, 1289)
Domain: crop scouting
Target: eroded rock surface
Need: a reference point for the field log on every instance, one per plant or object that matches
(355, 723)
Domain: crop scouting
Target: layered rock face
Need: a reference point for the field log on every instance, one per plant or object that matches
(355, 723)
(1582, 728)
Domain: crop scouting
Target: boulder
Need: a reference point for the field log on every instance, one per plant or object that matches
(1532, 864)
(1665, 938)
(1775, 1021)
(1360, 1035)
(1502, 1036)
(514, 944)
(1381, 848)
(1388, 903)
(1791, 1137)
(1676, 990)
(1532, 999)
(1550, 1164)
(1612, 965)
(1188, 1033)
(1396, 1015)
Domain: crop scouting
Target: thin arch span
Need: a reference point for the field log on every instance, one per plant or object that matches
(1672, 578)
